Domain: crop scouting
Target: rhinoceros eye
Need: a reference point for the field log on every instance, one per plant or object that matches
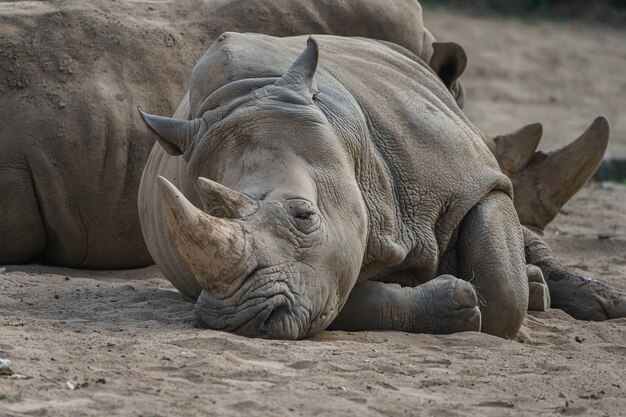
(304, 215)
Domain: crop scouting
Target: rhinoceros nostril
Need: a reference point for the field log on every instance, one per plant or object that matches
(282, 310)
(278, 314)
(281, 324)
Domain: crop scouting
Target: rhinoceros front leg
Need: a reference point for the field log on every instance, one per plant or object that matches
(490, 254)
(582, 297)
(443, 305)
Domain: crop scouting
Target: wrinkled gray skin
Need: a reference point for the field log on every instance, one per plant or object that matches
(358, 195)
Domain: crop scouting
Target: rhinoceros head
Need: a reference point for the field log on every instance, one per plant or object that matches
(279, 241)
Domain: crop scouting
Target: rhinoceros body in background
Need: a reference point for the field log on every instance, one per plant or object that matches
(351, 195)
(73, 150)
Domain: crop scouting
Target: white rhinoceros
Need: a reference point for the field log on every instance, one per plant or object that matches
(289, 196)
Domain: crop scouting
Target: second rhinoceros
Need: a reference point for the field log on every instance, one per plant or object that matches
(354, 193)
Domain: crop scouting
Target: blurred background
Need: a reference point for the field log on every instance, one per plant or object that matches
(559, 62)
(604, 10)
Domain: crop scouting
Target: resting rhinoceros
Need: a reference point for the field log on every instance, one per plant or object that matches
(353, 194)
(73, 154)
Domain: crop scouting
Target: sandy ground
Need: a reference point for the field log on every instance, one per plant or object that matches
(124, 340)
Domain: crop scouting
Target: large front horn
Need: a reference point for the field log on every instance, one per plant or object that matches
(302, 71)
(550, 180)
(174, 135)
(215, 249)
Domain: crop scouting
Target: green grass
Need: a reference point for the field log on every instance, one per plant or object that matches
(15, 398)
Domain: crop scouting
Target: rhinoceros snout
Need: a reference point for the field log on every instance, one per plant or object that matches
(271, 315)
(280, 323)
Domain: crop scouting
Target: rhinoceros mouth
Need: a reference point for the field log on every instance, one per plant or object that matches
(280, 323)
(264, 306)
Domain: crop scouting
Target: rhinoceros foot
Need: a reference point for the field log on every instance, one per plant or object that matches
(456, 302)
(538, 291)
(582, 297)
(444, 305)
(586, 298)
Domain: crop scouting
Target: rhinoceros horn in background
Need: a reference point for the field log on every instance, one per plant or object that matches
(543, 183)
(515, 150)
(215, 249)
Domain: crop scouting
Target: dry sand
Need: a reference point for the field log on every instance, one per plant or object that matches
(125, 341)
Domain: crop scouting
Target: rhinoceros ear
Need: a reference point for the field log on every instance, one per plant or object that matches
(174, 135)
(448, 61)
(302, 71)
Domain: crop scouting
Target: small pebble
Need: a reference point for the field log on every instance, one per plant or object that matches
(562, 394)
(579, 339)
(5, 367)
